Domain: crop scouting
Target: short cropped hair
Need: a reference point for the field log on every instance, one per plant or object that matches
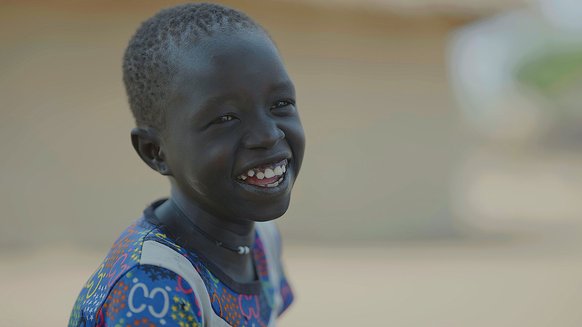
(148, 62)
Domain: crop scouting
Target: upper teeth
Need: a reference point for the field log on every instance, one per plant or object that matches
(278, 171)
(266, 172)
(269, 173)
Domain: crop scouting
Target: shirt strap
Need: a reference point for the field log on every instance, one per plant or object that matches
(157, 254)
(268, 234)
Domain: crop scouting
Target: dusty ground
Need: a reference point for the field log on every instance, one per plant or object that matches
(530, 282)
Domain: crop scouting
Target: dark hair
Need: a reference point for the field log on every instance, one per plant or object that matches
(148, 62)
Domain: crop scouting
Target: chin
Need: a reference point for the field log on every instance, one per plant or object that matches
(266, 213)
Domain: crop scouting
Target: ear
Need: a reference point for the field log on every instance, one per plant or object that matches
(147, 144)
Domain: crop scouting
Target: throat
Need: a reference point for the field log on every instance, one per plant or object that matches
(239, 268)
(241, 272)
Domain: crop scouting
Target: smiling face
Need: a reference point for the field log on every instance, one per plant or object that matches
(233, 141)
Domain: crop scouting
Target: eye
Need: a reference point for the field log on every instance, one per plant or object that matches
(223, 119)
(282, 103)
(284, 106)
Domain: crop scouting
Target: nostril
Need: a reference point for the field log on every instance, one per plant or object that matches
(281, 133)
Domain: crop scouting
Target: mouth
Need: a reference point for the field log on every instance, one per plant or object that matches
(265, 176)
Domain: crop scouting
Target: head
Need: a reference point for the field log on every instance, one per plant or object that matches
(215, 110)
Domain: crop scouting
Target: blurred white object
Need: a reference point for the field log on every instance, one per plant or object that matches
(564, 14)
(484, 59)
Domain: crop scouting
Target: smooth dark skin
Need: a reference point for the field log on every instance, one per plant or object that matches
(231, 108)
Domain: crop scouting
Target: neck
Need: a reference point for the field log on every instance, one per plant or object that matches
(220, 229)
(178, 216)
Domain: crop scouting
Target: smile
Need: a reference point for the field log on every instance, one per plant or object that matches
(267, 176)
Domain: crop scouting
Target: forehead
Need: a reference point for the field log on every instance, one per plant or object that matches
(241, 63)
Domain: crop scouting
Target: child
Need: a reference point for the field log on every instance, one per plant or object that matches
(215, 113)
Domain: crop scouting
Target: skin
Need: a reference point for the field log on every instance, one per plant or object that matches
(231, 108)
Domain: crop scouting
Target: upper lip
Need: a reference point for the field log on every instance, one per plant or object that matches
(264, 161)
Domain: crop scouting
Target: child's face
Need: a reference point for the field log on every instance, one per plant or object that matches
(232, 111)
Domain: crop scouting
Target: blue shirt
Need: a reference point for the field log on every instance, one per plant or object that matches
(147, 279)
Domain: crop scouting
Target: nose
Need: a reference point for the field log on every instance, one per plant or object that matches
(263, 134)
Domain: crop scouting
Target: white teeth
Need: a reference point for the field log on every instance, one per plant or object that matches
(262, 173)
(276, 183)
(269, 173)
(278, 171)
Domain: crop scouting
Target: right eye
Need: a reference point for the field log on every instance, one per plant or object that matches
(223, 119)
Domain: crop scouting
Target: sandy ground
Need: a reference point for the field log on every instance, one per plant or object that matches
(530, 282)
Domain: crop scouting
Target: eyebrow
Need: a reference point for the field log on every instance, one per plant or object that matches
(218, 99)
(284, 85)
(213, 101)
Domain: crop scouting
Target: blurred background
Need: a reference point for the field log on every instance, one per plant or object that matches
(442, 181)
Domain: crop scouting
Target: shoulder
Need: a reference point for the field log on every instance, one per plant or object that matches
(123, 256)
(122, 265)
(150, 295)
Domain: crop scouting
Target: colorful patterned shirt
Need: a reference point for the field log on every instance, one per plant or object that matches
(147, 279)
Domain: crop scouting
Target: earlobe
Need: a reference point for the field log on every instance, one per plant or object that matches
(162, 166)
(146, 143)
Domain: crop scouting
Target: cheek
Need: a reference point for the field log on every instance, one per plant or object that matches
(215, 160)
(216, 152)
(296, 138)
(206, 172)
